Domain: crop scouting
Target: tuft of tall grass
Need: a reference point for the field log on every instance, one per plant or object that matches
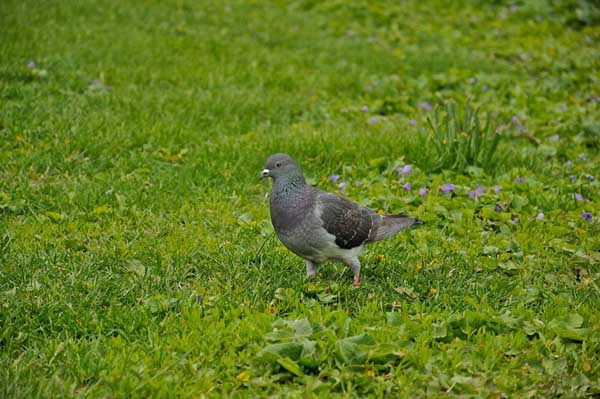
(460, 140)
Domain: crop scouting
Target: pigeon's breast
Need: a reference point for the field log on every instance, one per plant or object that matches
(297, 226)
(289, 212)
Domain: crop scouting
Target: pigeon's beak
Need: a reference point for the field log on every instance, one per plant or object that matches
(265, 173)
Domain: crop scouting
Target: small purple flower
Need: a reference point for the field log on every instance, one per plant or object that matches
(407, 187)
(578, 197)
(446, 188)
(373, 120)
(472, 80)
(582, 157)
(403, 170)
(342, 186)
(587, 216)
(344, 110)
(350, 32)
(515, 120)
(592, 98)
(425, 105)
(422, 192)
(497, 189)
(538, 18)
(521, 128)
(200, 298)
(515, 221)
(375, 82)
(31, 65)
(514, 8)
(358, 183)
(540, 216)
(413, 122)
(485, 88)
(569, 164)
(498, 207)
(364, 108)
(555, 138)
(478, 192)
(572, 178)
(589, 177)
(334, 178)
(520, 179)
(368, 89)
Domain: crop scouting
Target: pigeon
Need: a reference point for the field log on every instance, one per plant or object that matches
(319, 226)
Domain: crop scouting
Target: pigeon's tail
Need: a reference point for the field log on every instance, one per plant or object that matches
(390, 225)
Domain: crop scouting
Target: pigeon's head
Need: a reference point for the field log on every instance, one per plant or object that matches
(280, 165)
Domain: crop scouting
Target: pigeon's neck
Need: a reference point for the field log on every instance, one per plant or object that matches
(289, 184)
(289, 201)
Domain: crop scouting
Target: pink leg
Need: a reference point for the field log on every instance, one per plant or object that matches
(354, 265)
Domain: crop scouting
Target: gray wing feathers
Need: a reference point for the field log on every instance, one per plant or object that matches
(390, 225)
(353, 225)
(350, 223)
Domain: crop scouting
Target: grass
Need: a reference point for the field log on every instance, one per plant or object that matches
(137, 257)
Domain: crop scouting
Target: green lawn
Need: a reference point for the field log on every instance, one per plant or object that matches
(137, 258)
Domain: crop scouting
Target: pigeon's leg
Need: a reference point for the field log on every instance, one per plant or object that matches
(354, 265)
(311, 268)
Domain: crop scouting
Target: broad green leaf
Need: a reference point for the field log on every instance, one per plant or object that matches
(159, 304)
(555, 366)
(290, 366)
(394, 319)
(408, 291)
(474, 170)
(378, 163)
(570, 320)
(569, 326)
(361, 339)
(102, 210)
(546, 151)
(285, 294)
(508, 267)
(299, 327)
(308, 348)
(575, 334)
(293, 350)
(488, 212)
(439, 330)
(244, 218)
(326, 298)
(279, 335)
(519, 202)
(136, 267)
(351, 353)
(384, 353)
(353, 350)
(54, 216)
(490, 250)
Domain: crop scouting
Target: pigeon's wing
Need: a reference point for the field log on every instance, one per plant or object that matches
(390, 225)
(350, 223)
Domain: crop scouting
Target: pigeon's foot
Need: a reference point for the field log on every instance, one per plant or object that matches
(356, 282)
(311, 269)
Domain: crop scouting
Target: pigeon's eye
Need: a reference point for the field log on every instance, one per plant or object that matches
(278, 165)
